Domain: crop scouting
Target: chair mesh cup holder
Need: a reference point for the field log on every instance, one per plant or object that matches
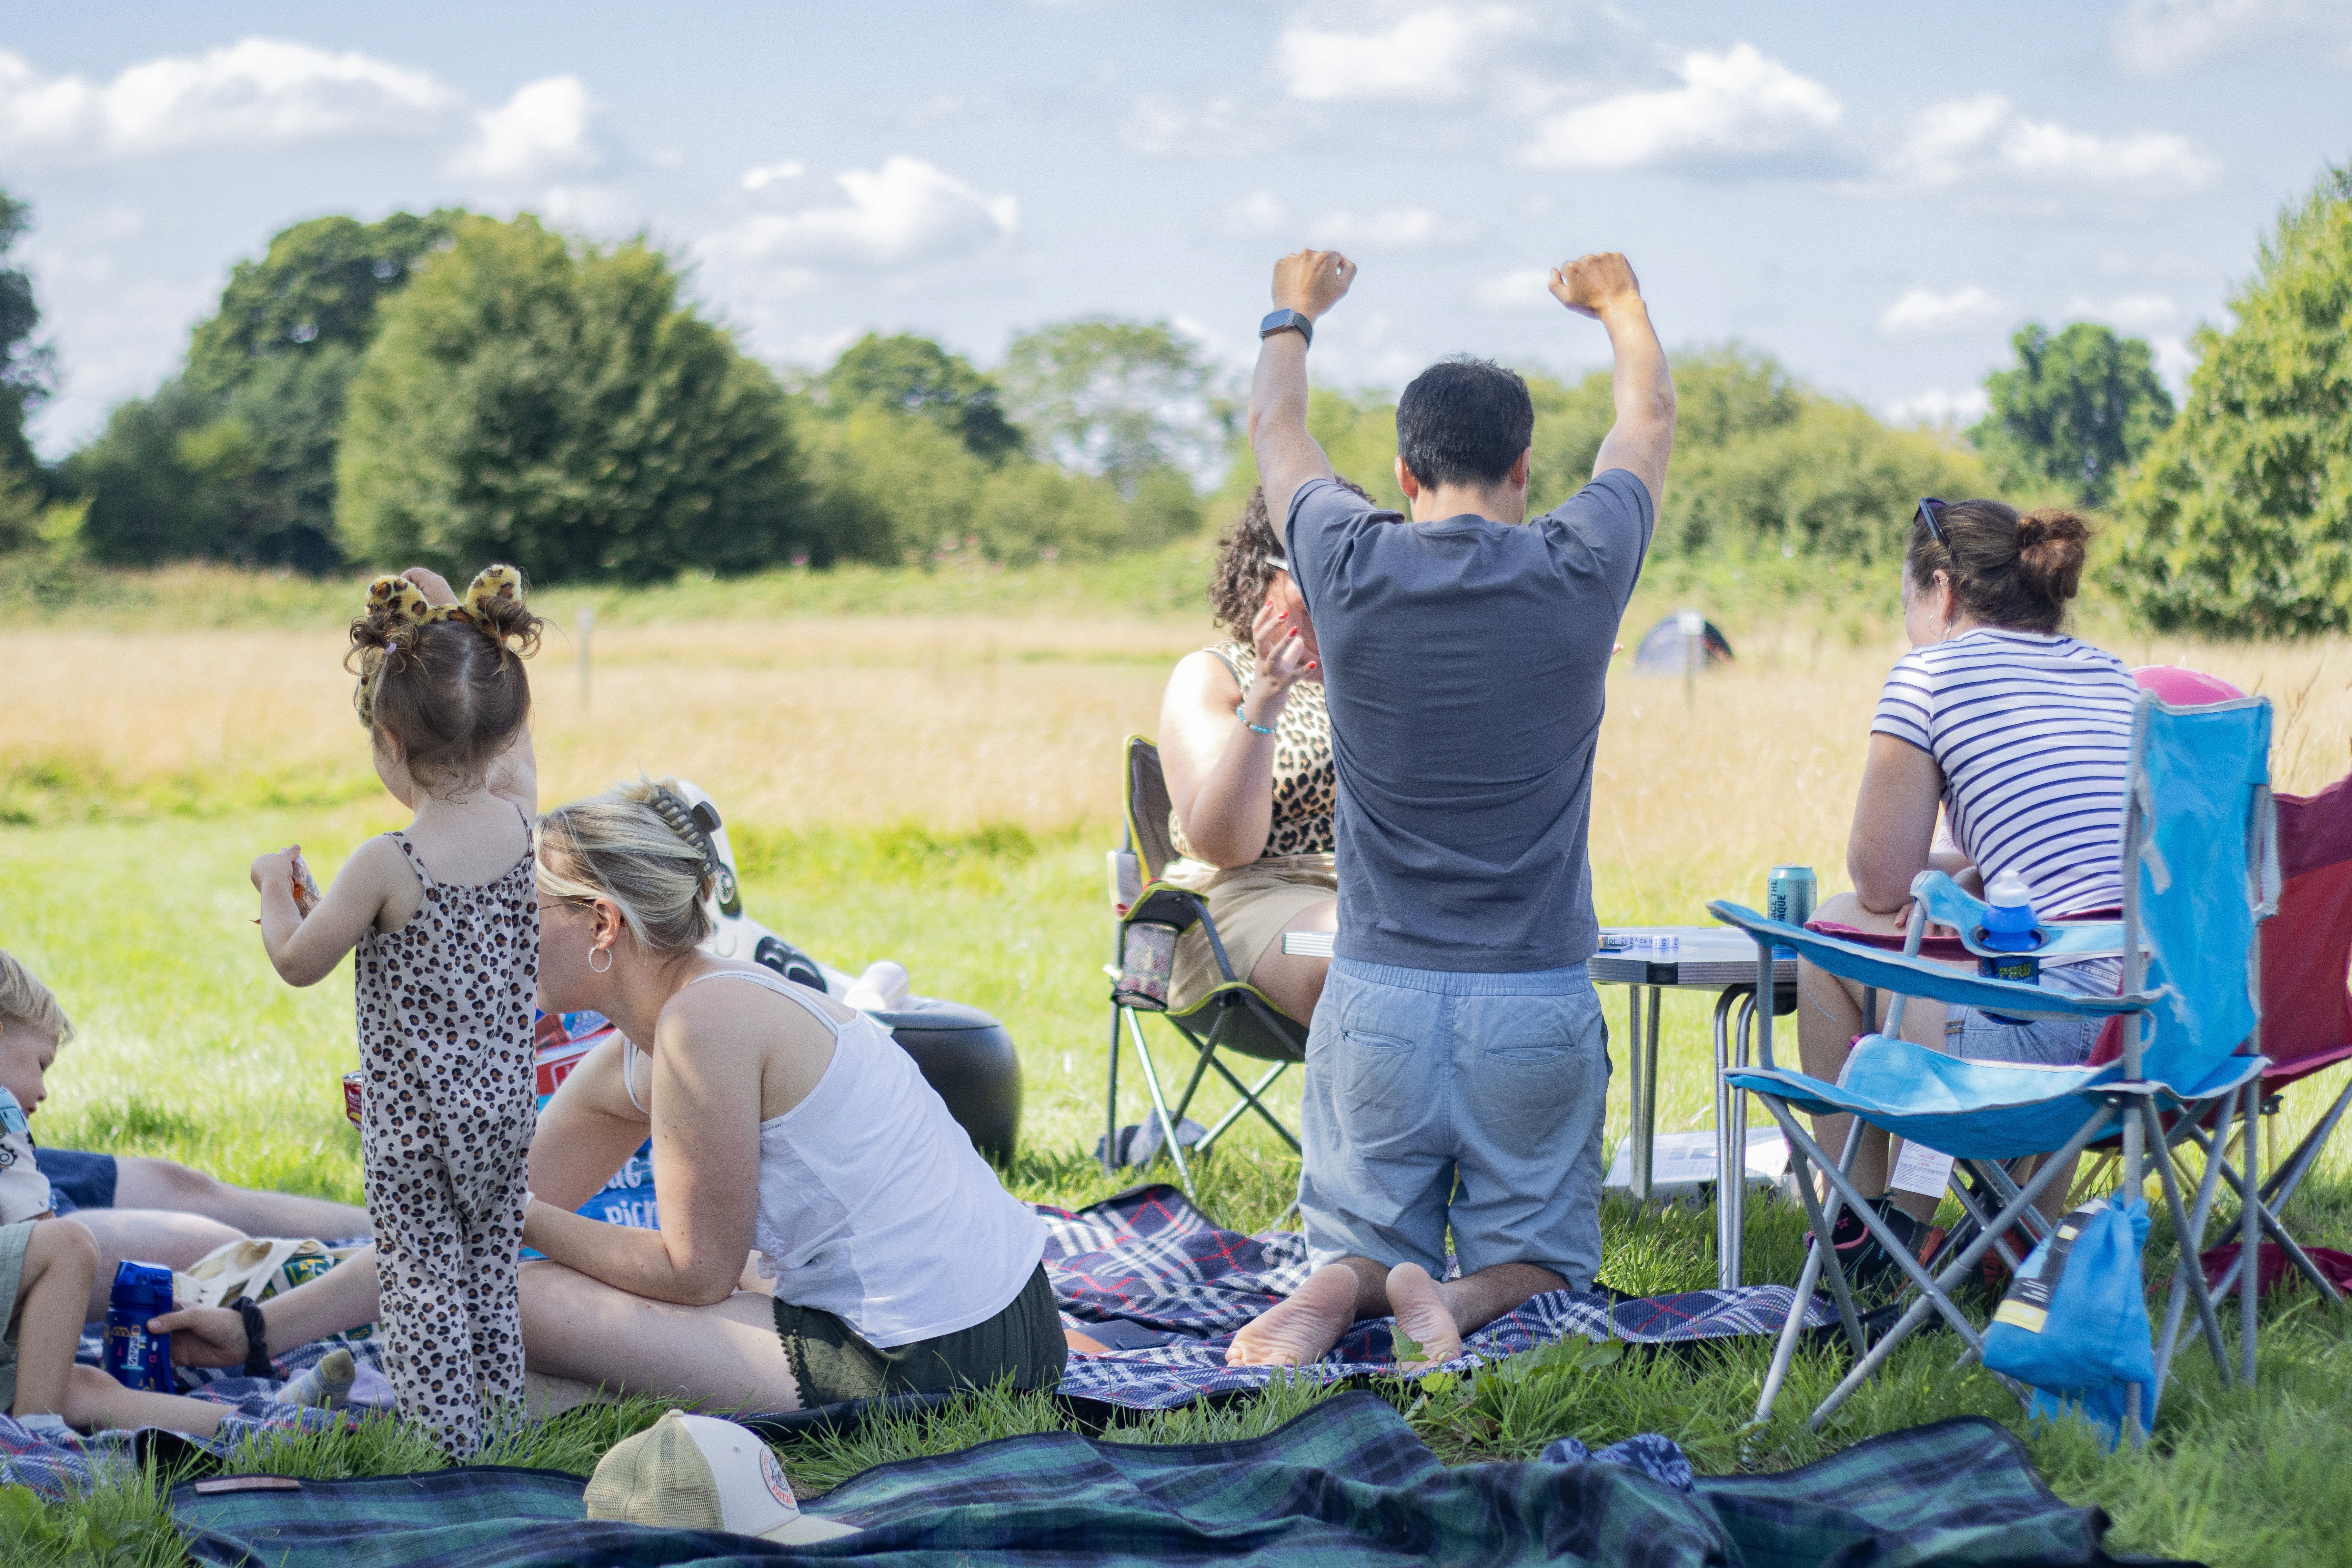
(1147, 959)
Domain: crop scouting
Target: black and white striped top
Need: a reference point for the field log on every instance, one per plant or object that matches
(2033, 736)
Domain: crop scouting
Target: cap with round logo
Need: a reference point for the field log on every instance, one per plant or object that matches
(698, 1472)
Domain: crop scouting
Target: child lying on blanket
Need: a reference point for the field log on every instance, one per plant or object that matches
(48, 1264)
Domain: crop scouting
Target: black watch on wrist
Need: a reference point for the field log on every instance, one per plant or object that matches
(1288, 321)
(256, 1342)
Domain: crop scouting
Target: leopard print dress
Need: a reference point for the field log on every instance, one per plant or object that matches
(447, 1113)
(1306, 782)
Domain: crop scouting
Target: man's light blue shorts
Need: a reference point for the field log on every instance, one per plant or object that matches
(1473, 1100)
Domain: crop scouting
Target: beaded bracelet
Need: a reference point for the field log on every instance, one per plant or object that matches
(1261, 729)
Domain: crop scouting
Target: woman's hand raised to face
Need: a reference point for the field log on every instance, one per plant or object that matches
(1285, 656)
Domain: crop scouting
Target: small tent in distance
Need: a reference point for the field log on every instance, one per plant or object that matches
(1665, 648)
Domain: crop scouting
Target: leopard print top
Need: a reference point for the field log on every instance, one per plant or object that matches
(1306, 784)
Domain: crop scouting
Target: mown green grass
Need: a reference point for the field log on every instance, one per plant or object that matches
(191, 1048)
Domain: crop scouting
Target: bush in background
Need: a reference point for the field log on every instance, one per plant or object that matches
(553, 403)
(2240, 521)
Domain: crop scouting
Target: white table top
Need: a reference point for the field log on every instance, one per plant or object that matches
(1702, 958)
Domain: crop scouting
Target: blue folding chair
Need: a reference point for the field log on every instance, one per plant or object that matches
(2200, 869)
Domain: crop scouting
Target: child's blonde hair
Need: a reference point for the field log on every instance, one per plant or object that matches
(25, 1000)
(639, 847)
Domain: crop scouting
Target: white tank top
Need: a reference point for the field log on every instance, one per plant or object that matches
(875, 1206)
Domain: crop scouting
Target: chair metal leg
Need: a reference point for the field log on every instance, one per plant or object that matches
(1968, 1201)
(1111, 1099)
(2193, 1279)
(1932, 1292)
(1641, 1145)
(1207, 1047)
(1815, 1256)
(2280, 1188)
(1271, 1119)
(2250, 1243)
(2260, 1212)
(1168, 1141)
(2177, 1298)
(1731, 1145)
(1247, 1103)
(1822, 1234)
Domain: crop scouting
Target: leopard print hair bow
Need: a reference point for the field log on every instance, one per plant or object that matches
(404, 602)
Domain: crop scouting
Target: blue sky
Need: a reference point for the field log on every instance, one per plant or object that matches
(1877, 194)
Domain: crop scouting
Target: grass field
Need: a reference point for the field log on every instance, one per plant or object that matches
(922, 767)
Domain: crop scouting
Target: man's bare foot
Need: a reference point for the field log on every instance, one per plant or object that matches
(1303, 1329)
(1421, 1314)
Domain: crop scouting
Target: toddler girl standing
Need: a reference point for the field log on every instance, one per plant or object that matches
(446, 919)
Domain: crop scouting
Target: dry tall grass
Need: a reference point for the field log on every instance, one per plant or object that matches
(954, 723)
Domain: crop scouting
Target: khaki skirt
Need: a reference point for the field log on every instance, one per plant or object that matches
(1253, 905)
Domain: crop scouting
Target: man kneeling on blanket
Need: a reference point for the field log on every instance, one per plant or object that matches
(1457, 1065)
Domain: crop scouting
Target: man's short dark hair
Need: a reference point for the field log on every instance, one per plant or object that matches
(1464, 421)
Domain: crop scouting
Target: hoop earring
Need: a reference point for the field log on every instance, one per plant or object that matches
(592, 961)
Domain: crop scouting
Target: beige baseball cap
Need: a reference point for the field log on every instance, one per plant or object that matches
(698, 1472)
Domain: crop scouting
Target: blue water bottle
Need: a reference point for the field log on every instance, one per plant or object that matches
(136, 1358)
(2009, 931)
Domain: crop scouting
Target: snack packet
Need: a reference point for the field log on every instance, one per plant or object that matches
(306, 887)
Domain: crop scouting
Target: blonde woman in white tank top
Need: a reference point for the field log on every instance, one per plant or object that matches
(781, 1122)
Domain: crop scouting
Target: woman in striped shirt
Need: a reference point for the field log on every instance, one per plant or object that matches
(2019, 736)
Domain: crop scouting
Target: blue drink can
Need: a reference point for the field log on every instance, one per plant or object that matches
(134, 1357)
(1791, 894)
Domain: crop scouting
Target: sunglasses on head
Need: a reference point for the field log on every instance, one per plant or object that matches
(1930, 513)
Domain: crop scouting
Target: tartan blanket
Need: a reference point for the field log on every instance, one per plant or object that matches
(1345, 1485)
(1146, 1257)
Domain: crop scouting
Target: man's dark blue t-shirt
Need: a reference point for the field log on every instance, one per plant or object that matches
(1464, 661)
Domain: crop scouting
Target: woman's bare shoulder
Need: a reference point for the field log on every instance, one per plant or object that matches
(1201, 677)
(713, 1004)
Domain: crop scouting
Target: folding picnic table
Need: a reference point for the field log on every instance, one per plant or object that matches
(1701, 958)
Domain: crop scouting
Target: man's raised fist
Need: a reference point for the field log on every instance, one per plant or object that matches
(1311, 281)
(1593, 285)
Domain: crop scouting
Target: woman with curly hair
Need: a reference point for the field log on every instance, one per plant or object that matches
(1246, 746)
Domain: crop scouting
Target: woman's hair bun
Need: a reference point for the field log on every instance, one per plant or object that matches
(2050, 546)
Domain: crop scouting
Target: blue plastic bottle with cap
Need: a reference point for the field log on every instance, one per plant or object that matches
(136, 1358)
(2009, 929)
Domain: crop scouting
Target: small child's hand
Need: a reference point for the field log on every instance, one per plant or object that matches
(278, 870)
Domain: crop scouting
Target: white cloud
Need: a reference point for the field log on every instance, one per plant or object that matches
(2173, 360)
(1400, 229)
(2157, 38)
(767, 174)
(1922, 312)
(1939, 408)
(1166, 125)
(253, 91)
(1257, 213)
(1524, 290)
(1984, 137)
(904, 213)
(1434, 54)
(2136, 313)
(1737, 104)
(546, 128)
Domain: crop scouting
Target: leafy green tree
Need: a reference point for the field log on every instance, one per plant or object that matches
(915, 375)
(555, 405)
(2239, 522)
(234, 458)
(2075, 414)
(28, 369)
(1117, 398)
(316, 288)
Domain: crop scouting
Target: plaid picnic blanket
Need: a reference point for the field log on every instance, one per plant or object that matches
(54, 1466)
(1345, 1485)
(1148, 1257)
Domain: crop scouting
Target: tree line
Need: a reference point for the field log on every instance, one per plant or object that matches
(450, 388)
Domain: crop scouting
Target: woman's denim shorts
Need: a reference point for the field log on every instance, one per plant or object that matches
(2042, 1042)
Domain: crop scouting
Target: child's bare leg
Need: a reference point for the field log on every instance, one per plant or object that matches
(96, 1403)
(60, 1260)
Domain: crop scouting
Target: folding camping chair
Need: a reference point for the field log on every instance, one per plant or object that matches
(2306, 953)
(2200, 871)
(1235, 1017)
